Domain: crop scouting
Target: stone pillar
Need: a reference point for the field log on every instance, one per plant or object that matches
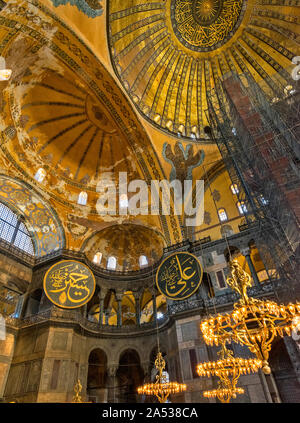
(101, 310)
(137, 308)
(106, 317)
(293, 352)
(112, 383)
(246, 253)
(22, 304)
(119, 310)
(272, 387)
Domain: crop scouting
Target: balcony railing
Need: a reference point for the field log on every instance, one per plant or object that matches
(72, 316)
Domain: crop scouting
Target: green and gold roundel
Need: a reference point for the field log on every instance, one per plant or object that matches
(69, 284)
(179, 276)
(204, 25)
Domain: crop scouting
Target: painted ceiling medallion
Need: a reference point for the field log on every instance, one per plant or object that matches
(204, 25)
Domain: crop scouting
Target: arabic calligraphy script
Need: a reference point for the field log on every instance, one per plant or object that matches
(179, 276)
(69, 284)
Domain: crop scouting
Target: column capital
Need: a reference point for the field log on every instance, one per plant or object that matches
(246, 251)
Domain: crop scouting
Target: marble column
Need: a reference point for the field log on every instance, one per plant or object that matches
(112, 383)
(154, 307)
(137, 309)
(101, 310)
(119, 312)
(272, 388)
(246, 253)
(22, 304)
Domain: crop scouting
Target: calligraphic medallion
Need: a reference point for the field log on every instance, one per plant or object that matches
(69, 284)
(204, 25)
(179, 276)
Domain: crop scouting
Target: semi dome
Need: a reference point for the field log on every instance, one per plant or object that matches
(125, 243)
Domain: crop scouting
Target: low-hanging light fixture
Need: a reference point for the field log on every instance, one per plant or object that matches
(228, 368)
(161, 388)
(254, 323)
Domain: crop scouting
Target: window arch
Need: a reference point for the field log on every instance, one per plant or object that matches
(222, 215)
(111, 263)
(97, 258)
(82, 198)
(143, 261)
(242, 207)
(13, 230)
(234, 189)
(40, 175)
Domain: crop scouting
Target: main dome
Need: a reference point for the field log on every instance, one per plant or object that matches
(171, 55)
(204, 25)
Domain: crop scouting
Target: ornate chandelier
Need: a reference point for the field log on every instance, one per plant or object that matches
(228, 368)
(253, 323)
(224, 392)
(161, 388)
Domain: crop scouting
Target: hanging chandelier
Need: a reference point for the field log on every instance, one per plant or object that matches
(228, 368)
(254, 323)
(161, 388)
(224, 392)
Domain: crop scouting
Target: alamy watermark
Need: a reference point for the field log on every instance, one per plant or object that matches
(136, 197)
(2, 328)
(296, 328)
(296, 70)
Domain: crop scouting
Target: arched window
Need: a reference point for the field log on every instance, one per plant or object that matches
(82, 198)
(242, 207)
(143, 261)
(222, 215)
(234, 189)
(112, 263)
(97, 258)
(40, 175)
(13, 230)
(159, 315)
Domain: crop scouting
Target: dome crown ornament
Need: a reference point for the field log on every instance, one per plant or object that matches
(204, 25)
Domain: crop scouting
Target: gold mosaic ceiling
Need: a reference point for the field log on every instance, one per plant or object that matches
(170, 54)
(62, 111)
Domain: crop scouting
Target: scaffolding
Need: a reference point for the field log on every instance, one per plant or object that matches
(274, 224)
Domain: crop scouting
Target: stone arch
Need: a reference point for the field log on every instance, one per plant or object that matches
(95, 346)
(129, 375)
(97, 375)
(41, 220)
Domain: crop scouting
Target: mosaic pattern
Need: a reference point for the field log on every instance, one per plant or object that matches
(92, 8)
(204, 25)
(41, 221)
(51, 42)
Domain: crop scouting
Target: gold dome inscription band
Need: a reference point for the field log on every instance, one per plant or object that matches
(204, 25)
